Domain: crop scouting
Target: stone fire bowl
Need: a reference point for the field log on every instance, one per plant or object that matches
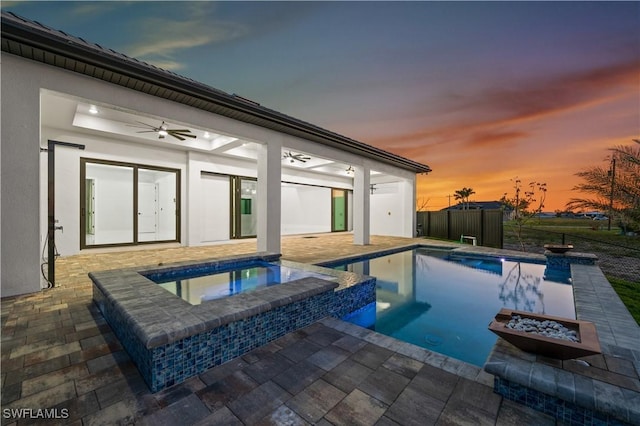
(548, 346)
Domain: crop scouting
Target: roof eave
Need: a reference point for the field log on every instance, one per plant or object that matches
(229, 105)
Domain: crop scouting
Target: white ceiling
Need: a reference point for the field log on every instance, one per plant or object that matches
(70, 114)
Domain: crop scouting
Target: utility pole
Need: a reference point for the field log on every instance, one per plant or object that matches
(613, 180)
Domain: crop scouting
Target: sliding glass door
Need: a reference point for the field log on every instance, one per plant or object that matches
(157, 207)
(244, 211)
(125, 204)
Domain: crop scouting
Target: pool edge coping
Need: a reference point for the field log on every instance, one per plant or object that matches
(523, 369)
(158, 317)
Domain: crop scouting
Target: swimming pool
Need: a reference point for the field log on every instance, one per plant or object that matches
(443, 300)
(201, 285)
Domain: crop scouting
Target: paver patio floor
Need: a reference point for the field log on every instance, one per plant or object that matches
(58, 352)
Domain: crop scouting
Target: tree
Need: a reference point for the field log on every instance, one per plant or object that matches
(614, 189)
(422, 204)
(463, 195)
(525, 204)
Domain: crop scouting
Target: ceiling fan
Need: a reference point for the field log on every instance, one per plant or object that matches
(162, 130)
(296, 157)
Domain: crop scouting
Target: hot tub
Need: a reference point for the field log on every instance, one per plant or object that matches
(170, 339)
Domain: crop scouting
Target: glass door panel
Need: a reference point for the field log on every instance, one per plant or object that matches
(110, 189)
(244, 209)
(157, 210)
(338, 210)
(248, 208)
(90, 206)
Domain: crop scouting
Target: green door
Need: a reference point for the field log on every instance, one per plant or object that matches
(338, 210)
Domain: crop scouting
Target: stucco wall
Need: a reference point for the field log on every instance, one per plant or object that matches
(23, 177)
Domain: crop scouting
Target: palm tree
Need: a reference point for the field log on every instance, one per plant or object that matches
(463, 195)
(615, 189)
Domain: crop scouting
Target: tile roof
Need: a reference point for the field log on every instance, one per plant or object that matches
(38, 42)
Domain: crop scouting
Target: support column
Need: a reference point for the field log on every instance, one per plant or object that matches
(408, 188)
(21, 242)
(192, 202)
(269, 196)
(361, 205)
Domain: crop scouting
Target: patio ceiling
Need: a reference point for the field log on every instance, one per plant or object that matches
(84, 117)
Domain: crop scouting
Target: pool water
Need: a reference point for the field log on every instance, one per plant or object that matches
(445, 302)
(215, 284)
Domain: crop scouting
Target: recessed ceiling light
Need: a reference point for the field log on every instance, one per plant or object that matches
(93, 109)
(207, 135)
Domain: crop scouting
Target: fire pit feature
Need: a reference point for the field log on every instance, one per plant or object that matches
(558, 248)
(546, 335)
(547, 328)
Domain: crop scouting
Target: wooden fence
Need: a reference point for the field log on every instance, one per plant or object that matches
(484, 225)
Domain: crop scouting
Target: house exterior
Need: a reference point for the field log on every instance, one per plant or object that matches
(477, 205)
(100, 150)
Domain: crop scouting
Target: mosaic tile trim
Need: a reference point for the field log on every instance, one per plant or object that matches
(175, 362)
(178, 359)
(564, 261)
(353, 298)
(565, 411)
(206, 267)
(123, 330)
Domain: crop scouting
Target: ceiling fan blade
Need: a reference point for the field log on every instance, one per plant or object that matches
(172, 132)
(179, 130)
(177, 136)
(147, 131)
(146, 125)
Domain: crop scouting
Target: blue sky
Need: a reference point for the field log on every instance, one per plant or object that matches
(480, 91)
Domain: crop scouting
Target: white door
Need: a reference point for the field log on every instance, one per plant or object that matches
(147, 209)
(215, 214)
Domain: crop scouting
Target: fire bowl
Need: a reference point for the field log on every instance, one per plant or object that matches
(548, 346)
(558, 248)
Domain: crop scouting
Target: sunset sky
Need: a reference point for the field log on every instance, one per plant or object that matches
(481, 92)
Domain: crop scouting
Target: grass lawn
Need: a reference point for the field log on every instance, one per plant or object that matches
(586, 235)
(629, 294)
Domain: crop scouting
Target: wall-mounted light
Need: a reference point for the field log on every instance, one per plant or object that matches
(93, 109)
